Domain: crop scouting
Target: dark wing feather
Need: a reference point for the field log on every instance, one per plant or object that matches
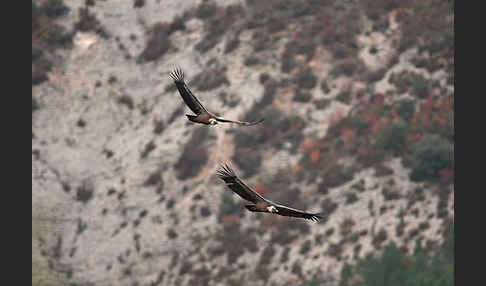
(286, 211)
(236, 185)
(191, 101)
(240, 122)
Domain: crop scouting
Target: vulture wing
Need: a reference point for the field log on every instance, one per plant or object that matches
(236, 185)
(191, 101)
(286, 211)
(239, 122)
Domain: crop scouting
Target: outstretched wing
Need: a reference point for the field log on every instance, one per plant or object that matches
(286, 211)
(240, 122)
(236, 185)
(191, 101)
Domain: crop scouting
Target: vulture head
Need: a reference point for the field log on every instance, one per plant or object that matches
(272, 209)
(212, 121)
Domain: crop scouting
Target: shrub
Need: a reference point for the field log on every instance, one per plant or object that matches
(374, 76)
(389, 194)
(89, 22)
(55, 36)
(40, 67)
(429, 155)
(54, 8)
(205, 211)
(328, 207)
(210, 79)
(379, 238)
(393, 267)
(272, 116)
(217, 22)
(306, 79)
(194, 156)
(325, 87)
(394, 136)
(257, 110)
(84, 193)
(351, 198)
(347, 67)
(159, 127)
(405, 109)
(157, 45)
(126, 100)
(251, 61)
(337, 175)
(341, 51)
(277, 129)
(420, 85)
(413, 82)
(287, 60)
(231, 45)
(382, 170)
(138, 3)
(302, 96)
(227, 205)
(248, 160)
(335, 250)
(154, 179)
(344, 97)
(205, 10)
(322, 103)
(35, 105)
(178, 24)
(306, 246)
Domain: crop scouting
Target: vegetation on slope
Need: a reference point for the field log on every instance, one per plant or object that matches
(393, 267)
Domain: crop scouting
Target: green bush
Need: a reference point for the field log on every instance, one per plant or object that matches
(217, 21)
(248, 160)
(351, 198)
(420, 85)
(138, 3)
(157, 45)
(346, 67)
(35, 105)
(287, 60)
(272, 116)
(313, 282)
(302, 96)
(337, 175)
(449, 38)
(89, 22)
(394, 136)
(54, 8)
(344, 96)
(194, 156)
(210, 79)
(306, 79)
(429, 155)
(405, 109)
(227, 204)
(395, 268)
(306, 246)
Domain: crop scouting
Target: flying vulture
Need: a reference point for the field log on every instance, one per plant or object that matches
(202, 115)
(260, 204)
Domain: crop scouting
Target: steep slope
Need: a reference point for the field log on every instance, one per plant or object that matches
(356, 96)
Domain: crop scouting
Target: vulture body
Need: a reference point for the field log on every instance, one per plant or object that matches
(260, 204)
(201, 114)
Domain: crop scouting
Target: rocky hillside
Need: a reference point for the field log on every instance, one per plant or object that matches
(358, 98)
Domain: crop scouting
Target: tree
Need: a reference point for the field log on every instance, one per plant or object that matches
(429, 155)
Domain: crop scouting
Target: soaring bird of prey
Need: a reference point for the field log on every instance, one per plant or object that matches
(202, 115)
(260, 204)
